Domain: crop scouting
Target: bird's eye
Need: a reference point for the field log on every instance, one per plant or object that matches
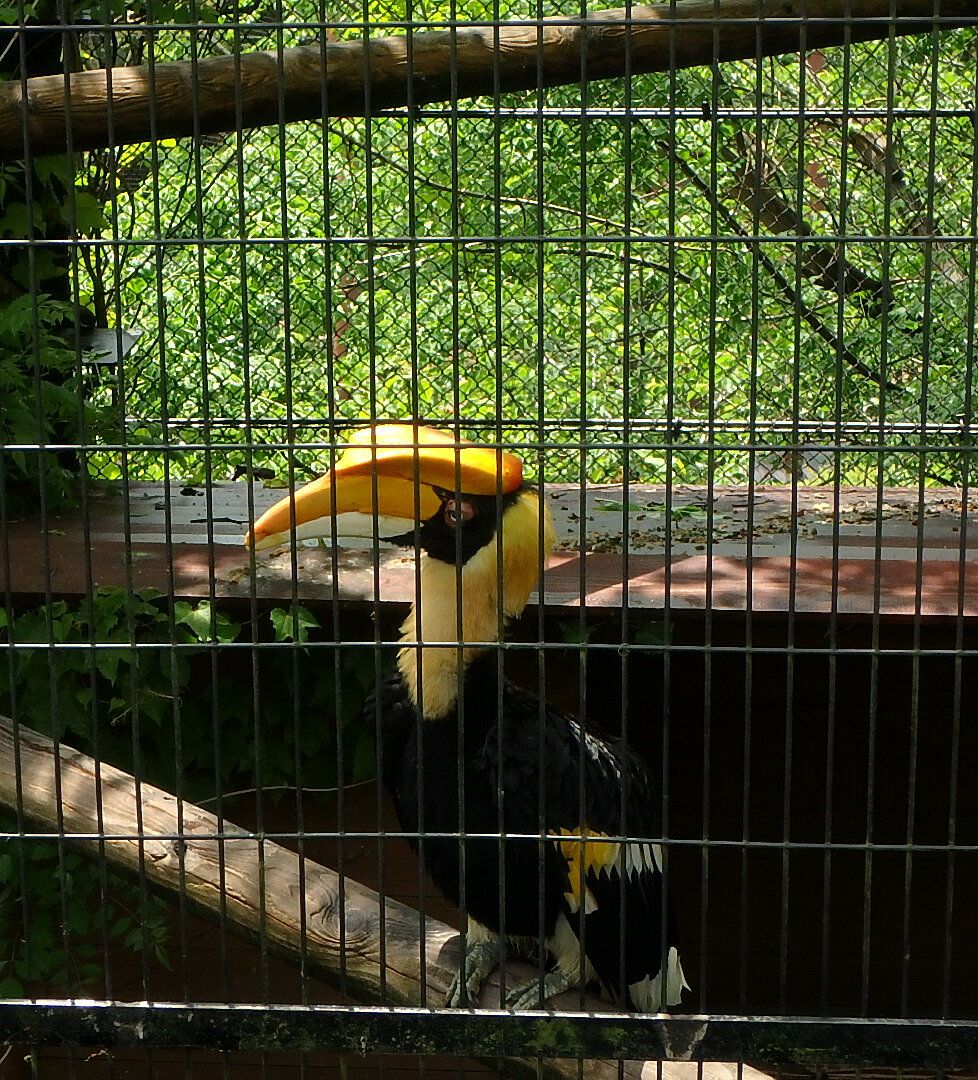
(457, 512)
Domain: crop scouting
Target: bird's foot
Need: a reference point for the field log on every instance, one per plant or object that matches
(481, 957)
(530, 995)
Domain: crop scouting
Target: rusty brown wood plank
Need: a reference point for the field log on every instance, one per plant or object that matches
(845, 556)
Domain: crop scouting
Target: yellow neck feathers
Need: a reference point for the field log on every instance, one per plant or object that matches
(432, 673)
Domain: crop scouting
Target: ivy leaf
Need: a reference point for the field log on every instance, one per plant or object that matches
(198, 621)
(89, 216)
(573, 633)
(294, 624)
(46, 263)
(108, 660)
(651, 634)
(16, 221)
(54, 166)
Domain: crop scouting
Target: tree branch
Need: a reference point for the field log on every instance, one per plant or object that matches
(362, 77)
(253, 885)
(823, 265)
(807, 313)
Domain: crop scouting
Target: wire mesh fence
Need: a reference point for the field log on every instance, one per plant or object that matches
(646, 632)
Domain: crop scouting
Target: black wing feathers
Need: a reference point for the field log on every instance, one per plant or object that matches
(537, 759)
(606, 767)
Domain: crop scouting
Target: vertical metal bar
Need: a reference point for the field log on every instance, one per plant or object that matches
(127, 523)
(291, 439)
(249, 448)
(874, 684)
(711, 470)
(461, 631)
(670, 465)
(12, 635)
(582, 629)
(335, 627)
(621, 986)
(415, 408)
(83, 487)
(833, 643)
(540, 434)
(795, 473)
(43, 465)
(753, 383)
(954, 755)
(497, 290)
(368, 129)
(165, 434)
(925, 356)
(122, 400)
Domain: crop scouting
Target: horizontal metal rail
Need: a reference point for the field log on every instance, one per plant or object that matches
(433, 834)
(491, 1033)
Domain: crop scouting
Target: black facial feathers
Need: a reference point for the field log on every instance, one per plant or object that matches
(461, 526)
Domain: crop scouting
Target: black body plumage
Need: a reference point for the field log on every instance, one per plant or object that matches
(516, 762)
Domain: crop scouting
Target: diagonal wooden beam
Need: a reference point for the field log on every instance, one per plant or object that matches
(101, 108)
(254, 885)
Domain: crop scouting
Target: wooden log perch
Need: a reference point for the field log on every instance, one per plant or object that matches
(357, 78)
(177, 852)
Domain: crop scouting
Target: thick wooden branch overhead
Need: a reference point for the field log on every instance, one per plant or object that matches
(254, 886)
(355, 78)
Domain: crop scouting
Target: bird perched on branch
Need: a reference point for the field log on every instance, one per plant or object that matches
(465, 751)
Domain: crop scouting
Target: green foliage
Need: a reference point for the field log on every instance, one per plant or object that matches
(664, 311)
(43, 392)
(55, 914)
(655, 321)
(294, 624)
(140, 679)
(128, 670)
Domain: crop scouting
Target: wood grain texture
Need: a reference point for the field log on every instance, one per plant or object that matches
(177, 850)
(356, 78)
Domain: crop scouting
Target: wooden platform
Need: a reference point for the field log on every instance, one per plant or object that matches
(810, 551)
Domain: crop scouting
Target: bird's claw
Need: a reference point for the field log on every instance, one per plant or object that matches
(480, 959)
(532, 996)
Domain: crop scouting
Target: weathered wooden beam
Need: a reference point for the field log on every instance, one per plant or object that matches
(176, 851)
(356, 78)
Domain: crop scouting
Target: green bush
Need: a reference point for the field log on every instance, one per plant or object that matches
(139, 679)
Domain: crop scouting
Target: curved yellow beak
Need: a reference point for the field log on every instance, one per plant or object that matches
(389, 472)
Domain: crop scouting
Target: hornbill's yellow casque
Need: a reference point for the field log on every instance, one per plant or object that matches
(457, 502)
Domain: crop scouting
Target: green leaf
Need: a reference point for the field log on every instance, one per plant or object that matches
(652, 634)
(108, 660)
(89, 215)
(16, 220)
(54, 166)
(293, 624)
(11, 988)
(572, 632)
(198, 620)
(691, 510)
(618, 507)
(46, 263)
(17, 317)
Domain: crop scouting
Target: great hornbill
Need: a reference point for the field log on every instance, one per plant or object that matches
(524, 765)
